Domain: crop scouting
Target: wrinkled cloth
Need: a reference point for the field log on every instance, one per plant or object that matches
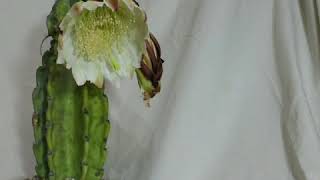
(240, 97)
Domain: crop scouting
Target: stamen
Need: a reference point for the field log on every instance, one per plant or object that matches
(97, 32)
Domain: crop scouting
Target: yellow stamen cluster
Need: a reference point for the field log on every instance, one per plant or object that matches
(98, 32)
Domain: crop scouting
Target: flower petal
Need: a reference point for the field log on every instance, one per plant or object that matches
(92, 5)
(78, 72)
(99, 80)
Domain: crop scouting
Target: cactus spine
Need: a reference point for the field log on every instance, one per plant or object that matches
(70, 122)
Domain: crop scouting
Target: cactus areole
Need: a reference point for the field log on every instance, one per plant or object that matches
(91, 41)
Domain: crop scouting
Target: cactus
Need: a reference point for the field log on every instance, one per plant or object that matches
(70, 125)
(70, 117)
(70, 122)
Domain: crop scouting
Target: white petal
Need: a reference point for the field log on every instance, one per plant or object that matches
(124, 61)
(78, 73)
(92, 5)
(100, 78)
(71, 61)
(68, 51)
(109, 74)
(128, 59)
(135, 54)
(92, 71)
(60, 59)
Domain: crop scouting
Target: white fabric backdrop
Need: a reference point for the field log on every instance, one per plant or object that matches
(240, 98)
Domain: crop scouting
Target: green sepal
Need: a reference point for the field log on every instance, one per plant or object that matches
(144, 83)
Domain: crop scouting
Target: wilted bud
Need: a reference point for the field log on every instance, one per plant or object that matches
(150, 72)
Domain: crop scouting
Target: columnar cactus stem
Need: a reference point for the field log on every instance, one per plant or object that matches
(85, 133)
(38, 121)
(71, 126)
(70, 122)
(96, 130)
(64, 124)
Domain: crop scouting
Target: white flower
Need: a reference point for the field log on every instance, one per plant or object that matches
(102, 40)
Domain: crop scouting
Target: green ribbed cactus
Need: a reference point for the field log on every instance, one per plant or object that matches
(70, 122)
(71, 126)
(70, 118)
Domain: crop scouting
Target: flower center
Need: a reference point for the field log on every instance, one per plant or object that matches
(97, 33)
